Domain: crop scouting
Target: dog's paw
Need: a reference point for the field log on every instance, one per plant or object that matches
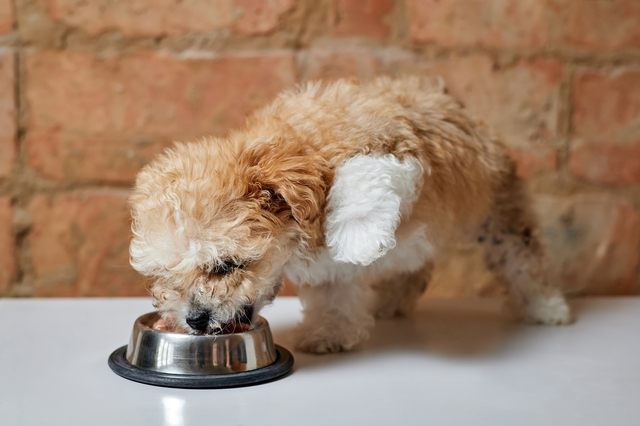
(323, 339)
(549, 311)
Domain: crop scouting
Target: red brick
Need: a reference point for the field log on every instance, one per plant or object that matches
(335, 64)
(360, 18)
(137, 18)
(596, 24)
(261, 17)
(102, 118)
(605, 146)
(6, 16)
(7, 245)
(533, 162)
(593, 243)
(80, 245)
(520, 102)
(608, 164)
(8, 116)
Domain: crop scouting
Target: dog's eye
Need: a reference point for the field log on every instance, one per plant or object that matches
(225, 268)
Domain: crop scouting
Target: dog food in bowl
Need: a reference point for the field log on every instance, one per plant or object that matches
(229, 328)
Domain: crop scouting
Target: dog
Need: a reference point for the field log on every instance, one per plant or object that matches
(347, 188)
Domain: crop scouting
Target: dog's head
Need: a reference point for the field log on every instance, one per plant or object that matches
(214, 223)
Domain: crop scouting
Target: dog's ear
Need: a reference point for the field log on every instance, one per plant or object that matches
(291, 178)
(369, 197)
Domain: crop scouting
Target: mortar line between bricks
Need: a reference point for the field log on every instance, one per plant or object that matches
(22, 248)
(14, 5)
(308, 11)
(431, 51)
(564, 123)
(569, 123)
(587, 58)
(637, 289)
(93, 45)
(400, 27)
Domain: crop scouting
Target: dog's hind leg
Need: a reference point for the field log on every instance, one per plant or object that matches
(515, 252)
(397, 297)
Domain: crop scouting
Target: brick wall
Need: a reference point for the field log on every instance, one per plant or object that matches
(91, 91)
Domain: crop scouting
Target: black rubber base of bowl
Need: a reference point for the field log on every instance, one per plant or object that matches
(280, 367)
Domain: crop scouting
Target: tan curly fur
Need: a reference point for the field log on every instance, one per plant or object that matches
(348, 188)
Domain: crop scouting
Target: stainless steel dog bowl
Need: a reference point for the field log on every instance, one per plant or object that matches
(200, 361)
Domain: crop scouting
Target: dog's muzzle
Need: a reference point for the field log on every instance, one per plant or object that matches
(201, 321)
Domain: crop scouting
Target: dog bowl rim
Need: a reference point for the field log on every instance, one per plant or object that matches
(279, 368)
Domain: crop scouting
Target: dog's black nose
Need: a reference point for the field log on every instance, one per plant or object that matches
(199, 320)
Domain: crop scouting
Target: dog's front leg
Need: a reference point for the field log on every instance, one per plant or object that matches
(369, 197)
(337, 317)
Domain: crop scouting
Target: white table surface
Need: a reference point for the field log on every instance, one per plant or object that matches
(456, 363)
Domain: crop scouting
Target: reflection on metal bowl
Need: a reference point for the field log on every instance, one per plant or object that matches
(165, 358)
(178, 353)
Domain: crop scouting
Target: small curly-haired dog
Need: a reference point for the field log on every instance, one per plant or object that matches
(349, 189)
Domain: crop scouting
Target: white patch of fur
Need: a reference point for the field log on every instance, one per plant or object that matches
(549, 311)
(411, 252)
(369, 196)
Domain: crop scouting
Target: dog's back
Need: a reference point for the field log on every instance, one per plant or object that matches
(409, 118)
